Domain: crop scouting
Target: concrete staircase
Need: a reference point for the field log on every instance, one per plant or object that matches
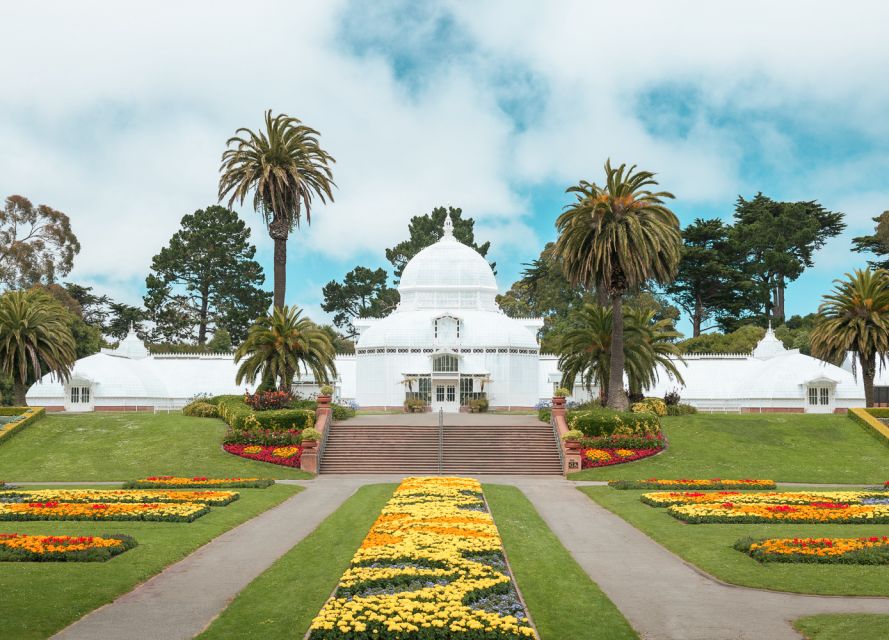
(466, 449)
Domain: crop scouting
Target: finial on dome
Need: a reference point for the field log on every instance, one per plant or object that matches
(448, 227)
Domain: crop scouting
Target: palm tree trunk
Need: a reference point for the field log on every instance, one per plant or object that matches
(868, 371)
(20, 391)
(617, 398)
(602, 296)
(279, 230)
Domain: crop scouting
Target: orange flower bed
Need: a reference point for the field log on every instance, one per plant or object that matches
(871, 550)
(668, 498)
(18, 547)
(214, 498)
(198, 482)
(52, 510)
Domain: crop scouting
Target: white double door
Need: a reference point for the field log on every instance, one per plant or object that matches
(446, 395)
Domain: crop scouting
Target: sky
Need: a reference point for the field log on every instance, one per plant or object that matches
(117, 114)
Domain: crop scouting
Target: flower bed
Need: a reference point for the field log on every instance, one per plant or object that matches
(814, 513)
(287, 456)
(684, 483)
(160, 482)
(53, 510)
(18, 547)
(23, 417)
(872, 550)
(214, 498)
(669, 498)
(432, 567)
(605, 457)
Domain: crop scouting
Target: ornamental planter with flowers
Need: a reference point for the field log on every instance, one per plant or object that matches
(287, 456)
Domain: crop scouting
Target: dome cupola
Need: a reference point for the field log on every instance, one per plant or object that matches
(448, 275)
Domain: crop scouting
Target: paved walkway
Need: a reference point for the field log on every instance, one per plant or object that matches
(182, 600)
(663, 597)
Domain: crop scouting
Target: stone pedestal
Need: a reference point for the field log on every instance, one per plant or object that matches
(308, 461)
(572, 461)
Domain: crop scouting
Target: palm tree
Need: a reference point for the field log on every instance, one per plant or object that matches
(34, 340)
(282, 346)
(286, 169)
(648, 344)
(855, 317)
(620, 235)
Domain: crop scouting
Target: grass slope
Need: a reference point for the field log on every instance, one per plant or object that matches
(709, 547)
(125, 446)
(281, 603)
(843, 627)
(39, 599)
(563, 601)
(788, 448)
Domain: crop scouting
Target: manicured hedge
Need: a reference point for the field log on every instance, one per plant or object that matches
(867, 418)
(239, 416)
(605, 422)
(29, 416)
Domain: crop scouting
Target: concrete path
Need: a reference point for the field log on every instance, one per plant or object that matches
(182, 600)
(663, 597)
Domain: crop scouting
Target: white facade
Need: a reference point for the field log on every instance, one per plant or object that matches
(448, 342)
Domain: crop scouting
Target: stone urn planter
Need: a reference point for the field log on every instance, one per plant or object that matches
(573, 445)
(323, 400)
(558, 402)
(309, 445)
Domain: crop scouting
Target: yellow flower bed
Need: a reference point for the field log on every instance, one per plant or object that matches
(813, 513)
(198, 482)
(215, 498)
(53, 510)
(431, 567)
(19, 547)
(692, 483)
(668, 498)
(872, 550)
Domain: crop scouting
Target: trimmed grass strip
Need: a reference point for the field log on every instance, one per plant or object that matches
(562, 599)
(860, 626)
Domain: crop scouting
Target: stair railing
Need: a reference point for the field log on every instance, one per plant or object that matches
(552, 423)
(440, 441)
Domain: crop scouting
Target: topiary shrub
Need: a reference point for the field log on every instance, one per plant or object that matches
(311, 434)
(341, 412)
(606, 422)
(238, 415)
(200, 410)
(680, 409)
(650, 405)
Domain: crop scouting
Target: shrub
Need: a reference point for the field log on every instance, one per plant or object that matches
(478, 405)
(680, 409)
(342, 412)
(326, 390)
(415, 405)
(656, 441)
(311, 434)
(650, 405)
(268, 400)
(200, 410)
(672, 397)
(572, 434)
(545, 414)
(604, 422)
(265, 437)
(239, 416)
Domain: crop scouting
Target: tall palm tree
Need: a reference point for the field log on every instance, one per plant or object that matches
(34, 340)
(282, 346)
(648, 345)
(285, 168)
(619, 236)
(855, 317)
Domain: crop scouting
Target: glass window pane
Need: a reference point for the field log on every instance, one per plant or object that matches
(813, 395)
(439, 393)
(825, 396)
(451, 393)
(85, 394)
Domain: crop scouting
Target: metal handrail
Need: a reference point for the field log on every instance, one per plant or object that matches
(440, 441)
(552, 423)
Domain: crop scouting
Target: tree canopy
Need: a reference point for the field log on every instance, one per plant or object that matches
(206, 278)
(363, 293)
(877, 243)
(37, 244)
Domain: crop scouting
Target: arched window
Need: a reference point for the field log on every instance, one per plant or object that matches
(445, 363)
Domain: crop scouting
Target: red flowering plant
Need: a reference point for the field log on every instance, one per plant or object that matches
(596, 457)
(268, 400)
(287, 456)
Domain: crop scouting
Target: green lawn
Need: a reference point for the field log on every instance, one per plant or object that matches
(125, 446)
(787, 448)
(38, 599)
(843, 627)
(281, 603)
(709, 547)
(564, 603)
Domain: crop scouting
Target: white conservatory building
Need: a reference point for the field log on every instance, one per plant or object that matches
(447, 342)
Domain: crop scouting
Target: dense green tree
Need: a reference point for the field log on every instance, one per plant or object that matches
(206, 278)
(876, 243)
(742, 340)
(708, 282)
(94, 309)
(341, 344)
(427, 229)
(286, 169)
(648, 345)
(37, 245)
(363, 293)
(854, 317)
(221, 342)
(620, 235)
(121, 317)
(281, 346)
(778, 241)
(34, 340)
(87, 337)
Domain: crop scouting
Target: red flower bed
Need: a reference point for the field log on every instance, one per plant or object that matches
(605, 457)
(287, 456)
